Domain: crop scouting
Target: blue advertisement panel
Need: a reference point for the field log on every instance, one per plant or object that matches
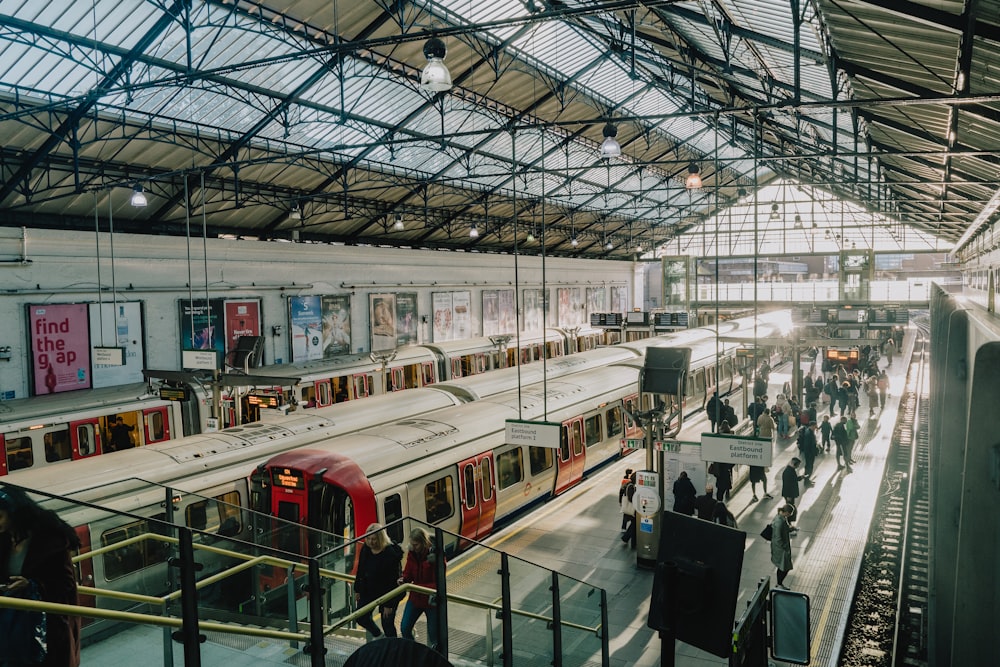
(202, 326)
(305, 315)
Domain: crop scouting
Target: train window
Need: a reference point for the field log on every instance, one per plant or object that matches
(592, 429)
(136, 555)
(540, 459)
(397, 381)
(57, 446)
(481, 363)
(510, 468)
(309, 396)
(564, 444)
(456, 368)
(486, 465)
(19, 455)
(362, 385)
(427, 373)
(85, 439)
(392, 508)
(439, 500)
(220, 515)
(156, 426)
(325, 395)
(614, 421)
(577, 438)
(340, 393)
(411, 376)
(469, 485)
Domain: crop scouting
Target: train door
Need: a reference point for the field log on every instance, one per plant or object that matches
(426, 373)
(397, 380)
(482, 363)
(156, 424)
(362, 385)
(324, 393)
(572, 455)
(477, 496)
(456, 368)
(86, 438)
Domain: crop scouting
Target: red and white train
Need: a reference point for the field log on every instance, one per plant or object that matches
(436, 454)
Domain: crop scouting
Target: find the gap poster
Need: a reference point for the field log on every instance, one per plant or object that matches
(60, 347)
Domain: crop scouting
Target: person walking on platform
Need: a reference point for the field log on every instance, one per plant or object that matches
(722, 516)
(684, 494)
(705, 505)
(790, 479)
(723, 480)
(378, 571)
(825, 429)
(807, 447)
(765, 424)
(890, 351)
(421, 569)
(852, 428)
(883, 388)
(758, 474)
(840, 437)
(729, 415)
(781, 544)
(831, 391)
(628, 513)
(871, 390)
(626, 480)
(714, 410)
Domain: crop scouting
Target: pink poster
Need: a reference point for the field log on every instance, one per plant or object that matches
(60, 347)
(242, 319)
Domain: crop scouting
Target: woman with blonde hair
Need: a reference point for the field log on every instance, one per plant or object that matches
(378, 573)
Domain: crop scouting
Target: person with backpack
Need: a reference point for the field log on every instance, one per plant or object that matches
(628, 513)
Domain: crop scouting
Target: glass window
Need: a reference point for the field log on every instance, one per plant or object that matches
(456, 367)
(509, 468)
(564, 444)
(614, 421)
(137, 555)
(576, 429)
(57, 447)
(428, 373)
(361, 385)
(592, 429)
(392, 508)
(469, 484)
(487, 467)
(85, 439)
(156, 426)
(220, 515)
(540, 459)
(325, 395)
(19, 454)
(629, 408)
(308, 399)
(439, 499)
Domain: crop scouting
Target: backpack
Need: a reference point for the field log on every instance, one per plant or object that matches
(804, 418)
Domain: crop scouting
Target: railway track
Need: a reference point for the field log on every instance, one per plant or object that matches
(887, 623)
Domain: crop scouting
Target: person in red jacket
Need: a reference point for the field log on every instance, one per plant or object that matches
(420, 569)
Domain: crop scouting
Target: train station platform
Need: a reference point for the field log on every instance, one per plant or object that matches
(578, 534)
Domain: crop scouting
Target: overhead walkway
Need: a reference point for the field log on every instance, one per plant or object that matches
(177, 595)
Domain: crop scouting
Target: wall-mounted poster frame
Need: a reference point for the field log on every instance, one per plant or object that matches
(336, 324)
(60, 347)
(118, 325)
(202, 323)
(534, 310)
(406, 318)
(444, 317)
(382, 315)
(619, 299)
(597, 300)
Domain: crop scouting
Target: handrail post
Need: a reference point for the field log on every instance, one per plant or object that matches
(505, 611)
(441, 597)
(189, 600)
(605, 640)
(293, 616)
(557, 657)
(316, 648)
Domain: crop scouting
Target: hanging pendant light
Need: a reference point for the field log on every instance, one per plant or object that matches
(693, 181)
(138, 199)
(610, 148)
(435, 77)
(474, 232)
(399, 225)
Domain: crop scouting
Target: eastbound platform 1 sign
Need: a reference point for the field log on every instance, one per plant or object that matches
(736, 449)
(534, 434)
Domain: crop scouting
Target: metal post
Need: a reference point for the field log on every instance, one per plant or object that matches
(188, 633)
(605, 639)
(557, 660)
(441, 597)
(315, 648)
(507, 632)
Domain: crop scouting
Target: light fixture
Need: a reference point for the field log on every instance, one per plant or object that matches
(798, 221)
(398, 225)
(474, 232)
(693, 181)
(610, 148)
(573, 242)
(826, 235)
(531, 237)
(609, 245)
(138, 197)
(775, 212)
(435, 78)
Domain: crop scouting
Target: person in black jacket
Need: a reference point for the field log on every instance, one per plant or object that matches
(36, 548)
(790, 486)
(379, 567)
(684, 494)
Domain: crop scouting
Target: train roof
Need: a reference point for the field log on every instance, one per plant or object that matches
(54, 407)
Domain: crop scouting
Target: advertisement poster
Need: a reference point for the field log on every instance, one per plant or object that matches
(570, 306)
(508, 314)
(382, 314)
(491, 312)
(619, 299)
(117, 325)
(242, 319)
(576, 306)
(336, 325)
(533, 310)
(444, 317)
(462, 302)
(202, 326)
(305, 321)
(406, 319)
(60, 347)
(596, 301)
